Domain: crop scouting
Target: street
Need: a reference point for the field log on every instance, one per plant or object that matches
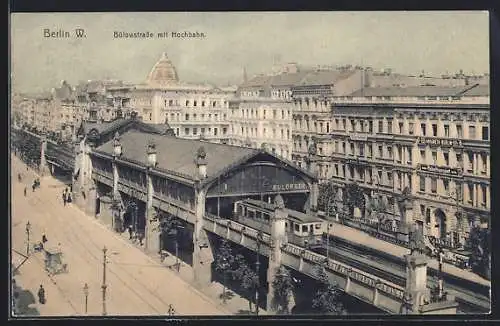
(136, 283)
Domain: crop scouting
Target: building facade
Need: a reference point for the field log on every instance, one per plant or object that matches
(432, 141)
(193, 111)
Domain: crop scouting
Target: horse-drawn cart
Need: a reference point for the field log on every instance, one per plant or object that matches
(53, 261)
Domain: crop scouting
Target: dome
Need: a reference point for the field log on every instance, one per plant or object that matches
(163, 72)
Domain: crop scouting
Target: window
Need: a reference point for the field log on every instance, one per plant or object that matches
(352, 148)
(343, 124)
(389, 151)
(202, 103)
(389, 127)
(411, 128)
(282, 114)
(422, 155)
(380, 151)
(343, 148)
(195, 131)
(187, 103)
(471, 191)
(409, 155)
(483, 195)
(472, 132)
(274, 114)
(150, 116)
(459, 131)
(194, 116)
(434, 158)
(213, 104)
(187, 116)
(483, 163)
(186, 131)
(389, 177)
(362, 149)
(297, 227)
(215, 131)
(445, 185)
(485, 134)
(370, 149)
(264, 114)
(224, 130)
(177, 131)
(170, 102)
(422, 184)
(433, 185)
(459, 159)
(202, 131)
(336, 169)
(434, 130)
(446, 131)
(428, 216)
(353, 126)
(446, 158)
(422, 128)
(194, 103)
(400, 127)
(370, 126)
(380, 127)
(471, 161)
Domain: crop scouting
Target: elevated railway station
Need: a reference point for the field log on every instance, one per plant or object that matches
(129, 174)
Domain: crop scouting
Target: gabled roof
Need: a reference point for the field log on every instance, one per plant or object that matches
(177, 155)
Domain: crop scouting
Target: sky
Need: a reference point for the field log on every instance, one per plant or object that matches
(407, 42)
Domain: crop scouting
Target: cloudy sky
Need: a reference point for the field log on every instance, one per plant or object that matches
(407, 42)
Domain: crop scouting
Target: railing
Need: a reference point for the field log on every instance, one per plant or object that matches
(337, 267)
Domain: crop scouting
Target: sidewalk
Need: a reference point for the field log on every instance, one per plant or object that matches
(362, 238)
(122, 257)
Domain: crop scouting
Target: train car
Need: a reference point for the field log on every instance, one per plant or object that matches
(301, 229)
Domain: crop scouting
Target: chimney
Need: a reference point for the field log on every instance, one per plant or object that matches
(117, 146)
(201, 162)
(151, 154)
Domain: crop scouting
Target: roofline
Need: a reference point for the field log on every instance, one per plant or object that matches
(414, 105)
(208, 181)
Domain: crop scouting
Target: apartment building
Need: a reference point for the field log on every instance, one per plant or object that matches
(432, 140)
(193, 111)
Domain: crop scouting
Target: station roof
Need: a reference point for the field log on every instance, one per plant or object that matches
(177, 155)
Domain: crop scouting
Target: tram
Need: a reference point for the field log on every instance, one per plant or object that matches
(301, 229)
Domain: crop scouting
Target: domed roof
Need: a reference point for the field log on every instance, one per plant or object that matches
(163, 72)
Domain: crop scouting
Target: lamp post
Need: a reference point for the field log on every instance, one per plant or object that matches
(440, 272)
(86, 293)
(225, 265)
(257, 270)
(104, 286)
(28, 228)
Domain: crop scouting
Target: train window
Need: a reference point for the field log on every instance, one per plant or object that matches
(318, 226)
(286, 225)
(239, 210)
(304, 228)
(266, 217)
(244, 211)
(297, 227)
(258, 215)
(251, 214)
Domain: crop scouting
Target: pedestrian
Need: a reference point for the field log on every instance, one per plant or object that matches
(33, 187)
(25, 191)
(41, 295)
(64, 198)
(171, 310)
(44, 238)
(130, 232)
(68, 199)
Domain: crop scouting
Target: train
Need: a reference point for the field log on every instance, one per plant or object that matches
(301, 229)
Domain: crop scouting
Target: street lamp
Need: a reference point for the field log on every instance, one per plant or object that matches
(86, 293)
(224, 266)
(175, 233)
(257, 270)
(104, 286)
(28, 228)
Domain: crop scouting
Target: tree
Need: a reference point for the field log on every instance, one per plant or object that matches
(248, 278)
(326, 300)
(224, 262)
(282, 290)
(327, 193)
(353, 197)
(376, 208)
(479, 244)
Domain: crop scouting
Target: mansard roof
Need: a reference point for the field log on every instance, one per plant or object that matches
(177, 155)
(416, 91)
